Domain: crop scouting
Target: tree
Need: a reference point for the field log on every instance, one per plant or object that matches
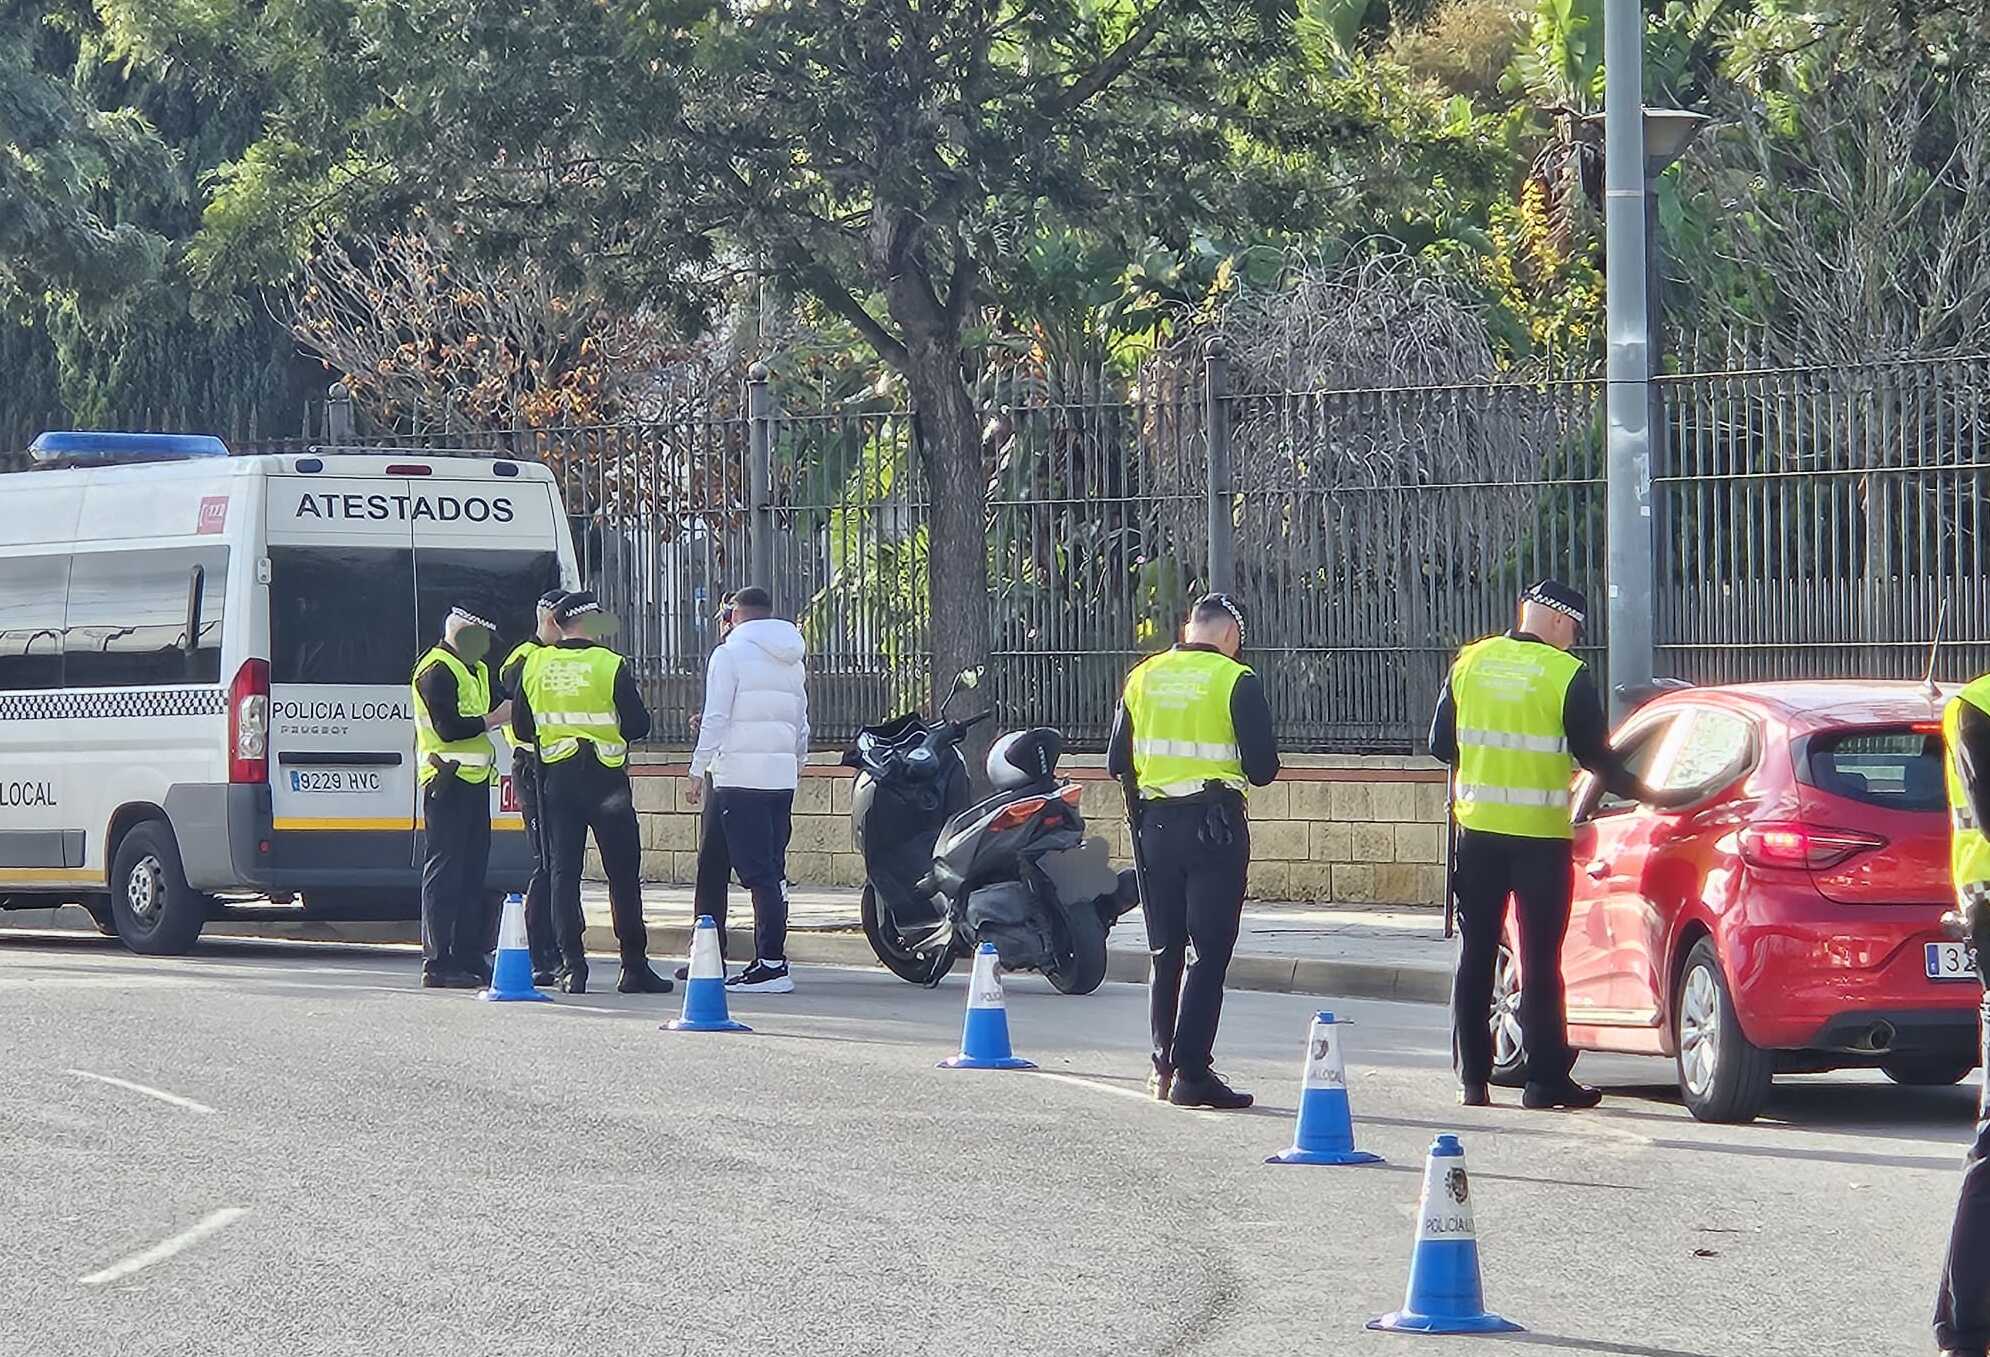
(59, 154)
(891, 159)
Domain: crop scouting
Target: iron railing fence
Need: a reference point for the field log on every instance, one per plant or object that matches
(1812, 522)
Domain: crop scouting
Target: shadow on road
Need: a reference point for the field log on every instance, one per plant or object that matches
(1555, 1340)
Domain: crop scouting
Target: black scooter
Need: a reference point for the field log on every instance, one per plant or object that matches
(1015, 869)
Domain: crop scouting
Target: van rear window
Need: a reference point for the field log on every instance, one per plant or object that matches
(341, 614)
(1896, 769)
(349, 615)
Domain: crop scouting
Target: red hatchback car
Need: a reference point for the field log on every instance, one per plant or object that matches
(1788, 921)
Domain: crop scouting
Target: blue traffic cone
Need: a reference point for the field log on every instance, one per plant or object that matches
(705, 986)
(1445, 1294)
(1325, 1134)
(511, 975)
(984, 1040)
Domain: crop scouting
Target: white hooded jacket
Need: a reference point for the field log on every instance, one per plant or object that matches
(754, 731)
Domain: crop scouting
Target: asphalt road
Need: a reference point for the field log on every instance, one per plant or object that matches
(356, 1166)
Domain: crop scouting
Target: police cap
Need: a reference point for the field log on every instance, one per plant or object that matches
(1563, 599)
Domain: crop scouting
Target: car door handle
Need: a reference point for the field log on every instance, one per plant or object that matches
(1597, 869)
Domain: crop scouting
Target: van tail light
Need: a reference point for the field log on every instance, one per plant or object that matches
(1018, 813)
(1796, 847)
(248, 723)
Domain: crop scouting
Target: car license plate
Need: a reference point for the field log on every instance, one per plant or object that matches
(310, 780)
(1951, 961)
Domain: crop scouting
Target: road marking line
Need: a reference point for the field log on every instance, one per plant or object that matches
(165, 1249)
(1096, 1085)
(175, 1099)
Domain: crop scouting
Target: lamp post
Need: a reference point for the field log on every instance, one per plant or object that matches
(1636, 147)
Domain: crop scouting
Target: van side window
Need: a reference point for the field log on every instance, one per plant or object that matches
(32, 589)
(138, 617)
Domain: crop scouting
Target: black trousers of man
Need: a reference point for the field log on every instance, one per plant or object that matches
(714, 879)
(1197, 854)
(456, 816)
(1535, 873)
(1962, 1306)
(541, 936)
(579, 795)
(757, 824)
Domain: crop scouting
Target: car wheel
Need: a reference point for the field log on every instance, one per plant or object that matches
(1928, 1071)
(1723, 1076)
(155, 910)
(1509, 1039)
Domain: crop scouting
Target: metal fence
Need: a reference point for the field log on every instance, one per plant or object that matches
(1811, 523)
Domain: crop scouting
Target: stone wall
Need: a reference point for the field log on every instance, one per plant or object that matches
(1347, 830)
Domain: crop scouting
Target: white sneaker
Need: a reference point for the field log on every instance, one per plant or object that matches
(763, 978)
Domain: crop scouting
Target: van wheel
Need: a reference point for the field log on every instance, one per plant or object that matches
(1722, 1074)
(156, 911)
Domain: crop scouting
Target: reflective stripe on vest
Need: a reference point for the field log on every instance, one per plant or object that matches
(523, 650)
(473, 757)
(1514, 767)
(1969, 849)
(572, 696)
(1183, 738)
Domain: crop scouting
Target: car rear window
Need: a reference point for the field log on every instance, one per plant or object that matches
(1899, 769)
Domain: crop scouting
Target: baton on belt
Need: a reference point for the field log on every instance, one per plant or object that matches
(1136, 813)
(1450, 857)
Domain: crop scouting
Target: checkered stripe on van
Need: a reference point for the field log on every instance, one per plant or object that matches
(101, 704)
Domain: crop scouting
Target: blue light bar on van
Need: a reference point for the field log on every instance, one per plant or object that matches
(93, 446)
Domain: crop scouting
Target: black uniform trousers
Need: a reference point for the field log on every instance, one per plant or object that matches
(455, 923)
(1535, 873)
(541, 936)
(580, 794)
(1962, 1306)
(714, 876)
(1194, 897)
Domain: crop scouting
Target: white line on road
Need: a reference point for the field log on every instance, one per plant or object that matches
(165, 1249)
(1097, 1085)
(175, 1099)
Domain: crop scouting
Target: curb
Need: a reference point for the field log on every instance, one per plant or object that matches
(1326, 977)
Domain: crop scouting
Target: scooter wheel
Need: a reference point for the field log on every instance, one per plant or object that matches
(918, 968)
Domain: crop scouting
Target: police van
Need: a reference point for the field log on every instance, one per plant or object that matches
(205, 667)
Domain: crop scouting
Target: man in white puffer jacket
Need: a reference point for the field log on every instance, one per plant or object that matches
(753, 739)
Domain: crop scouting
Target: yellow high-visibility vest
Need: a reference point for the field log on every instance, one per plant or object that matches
(1969, 849)
(1183, 738)
(572, 696)
(474, 758)
(1514, 766)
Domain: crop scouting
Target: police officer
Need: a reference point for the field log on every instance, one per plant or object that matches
(1516, 716)
(454, 715)
(578, 702)
(1962, 1306)
(1193, 731)
(539, 932)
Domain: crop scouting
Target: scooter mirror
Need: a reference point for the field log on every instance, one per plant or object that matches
(971, 678)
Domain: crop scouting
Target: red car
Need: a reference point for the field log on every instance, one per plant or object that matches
(1788, 921)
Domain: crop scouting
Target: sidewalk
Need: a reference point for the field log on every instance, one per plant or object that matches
(1381, 952)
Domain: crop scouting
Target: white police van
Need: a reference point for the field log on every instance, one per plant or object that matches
(205, 663)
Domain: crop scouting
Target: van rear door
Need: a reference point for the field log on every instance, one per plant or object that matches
(491, 546)
(342, 648)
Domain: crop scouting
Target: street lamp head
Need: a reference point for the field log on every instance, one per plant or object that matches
(1668, 132)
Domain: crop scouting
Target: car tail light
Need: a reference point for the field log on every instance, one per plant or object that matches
(1799, 846)
(408, 469)
(248, 723)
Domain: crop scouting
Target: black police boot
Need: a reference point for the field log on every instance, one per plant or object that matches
(448, 977)
(1474, 1095)
(1568, 1094)
(572, 979)
(640, 979)
(1207, 1090)
(544, 977)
